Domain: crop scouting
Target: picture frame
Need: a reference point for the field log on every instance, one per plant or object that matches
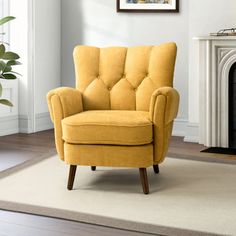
(148, 6)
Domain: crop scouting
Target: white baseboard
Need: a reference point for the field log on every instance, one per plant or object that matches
(192, 133)
(9, 125)
(43, 122)
(20, 124)
(180, 127)
(23, 124)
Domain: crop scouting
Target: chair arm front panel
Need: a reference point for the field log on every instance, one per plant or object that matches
(63, 102)
(163, 110)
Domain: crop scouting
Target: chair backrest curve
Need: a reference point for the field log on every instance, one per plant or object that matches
(120, 78)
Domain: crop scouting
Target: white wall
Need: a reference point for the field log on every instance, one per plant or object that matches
(97, 23)
(19, 44)
(36, 36)
(47, 51)
(47, 57)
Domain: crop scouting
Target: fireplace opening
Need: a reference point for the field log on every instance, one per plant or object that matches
(232, 107)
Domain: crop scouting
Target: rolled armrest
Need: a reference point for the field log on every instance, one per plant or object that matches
(63, 102)
(163, 110)
(68, 100)
(164, 105)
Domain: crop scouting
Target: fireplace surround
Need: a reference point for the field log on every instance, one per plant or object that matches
(232, 106)
(215, 67)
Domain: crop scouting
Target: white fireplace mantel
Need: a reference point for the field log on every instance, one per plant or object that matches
(214, 58)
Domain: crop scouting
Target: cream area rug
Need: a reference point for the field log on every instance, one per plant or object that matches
(186, 198)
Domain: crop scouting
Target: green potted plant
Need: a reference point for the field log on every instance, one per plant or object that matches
(7, 61)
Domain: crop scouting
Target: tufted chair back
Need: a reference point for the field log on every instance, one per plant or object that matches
(119, 78)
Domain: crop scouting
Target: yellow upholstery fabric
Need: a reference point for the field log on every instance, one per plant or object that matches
(63, 102)
(108, 127)
(108, 155)
(122, 110)
(163, 110)
(107, 77)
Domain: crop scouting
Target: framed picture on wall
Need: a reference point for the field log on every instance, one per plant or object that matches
(147, 5)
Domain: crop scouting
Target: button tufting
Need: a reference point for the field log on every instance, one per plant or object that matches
(109, 88)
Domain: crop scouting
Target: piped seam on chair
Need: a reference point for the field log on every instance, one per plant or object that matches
(163, 130)
(108, 125)
(50, 107)
(62, 108)
(154, 102)
(105, 142)
(163, 125)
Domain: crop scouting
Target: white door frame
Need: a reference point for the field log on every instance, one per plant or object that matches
(31, 66)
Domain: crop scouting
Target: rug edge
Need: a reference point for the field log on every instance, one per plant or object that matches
(26, 164)
(100, 220)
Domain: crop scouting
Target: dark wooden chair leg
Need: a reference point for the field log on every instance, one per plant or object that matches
(144, 180)
(93, 168)
(71, 177)
(156, 169)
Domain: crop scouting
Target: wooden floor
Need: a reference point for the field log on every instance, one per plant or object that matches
(16, 149)
(179, 148)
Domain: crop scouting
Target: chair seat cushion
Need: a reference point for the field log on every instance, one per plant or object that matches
(108, 127)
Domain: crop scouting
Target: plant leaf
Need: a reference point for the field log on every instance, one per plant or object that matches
(2, 50)
(6, 102)
(16, 73)
(13, 63)
(10, 56)
(2, 65)
(0, 90)
(7, 69)
(9, 76)
(6, 19)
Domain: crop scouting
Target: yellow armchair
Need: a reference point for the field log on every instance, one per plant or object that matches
(122, 111)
